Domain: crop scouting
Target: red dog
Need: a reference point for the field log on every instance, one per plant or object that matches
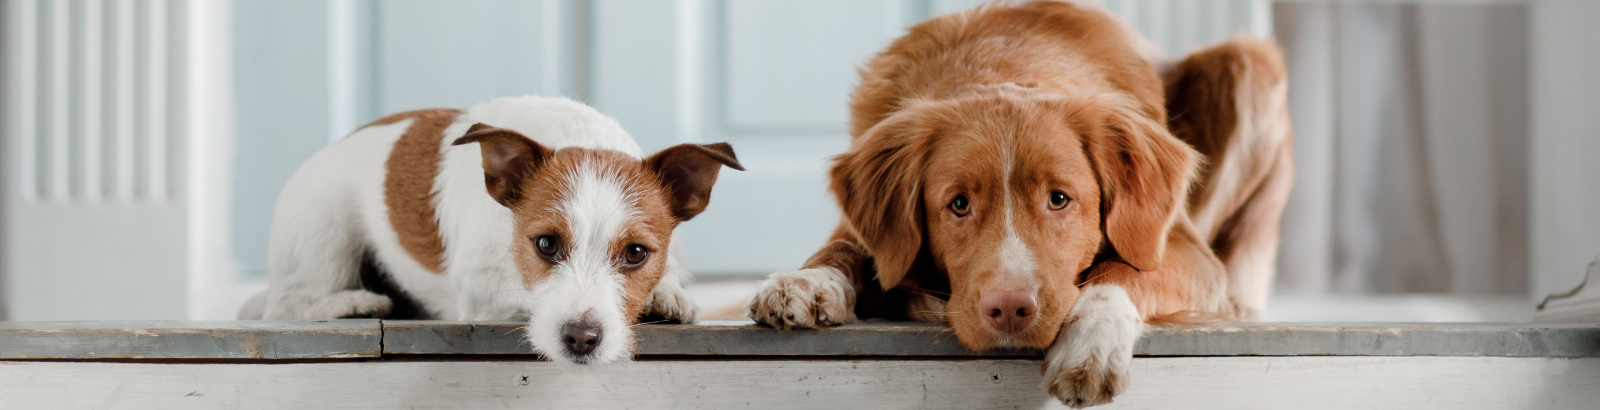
(1015, 173)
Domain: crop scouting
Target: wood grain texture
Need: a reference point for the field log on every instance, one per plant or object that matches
(1186, 382)
(290, 340)
(935, 340)
(249, 340)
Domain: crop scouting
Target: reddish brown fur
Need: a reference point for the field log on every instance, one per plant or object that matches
(1227, 101)
(669, 187)
(411, 169)
(1060, 92)
(653, 228)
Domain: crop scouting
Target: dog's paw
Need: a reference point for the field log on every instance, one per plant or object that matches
(1088, 364)
(354, 304)
(804, 299)
(670, 304)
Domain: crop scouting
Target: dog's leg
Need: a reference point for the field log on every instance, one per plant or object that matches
(314, 258)
(821, 294)
(1088, 364)
(1229, 101)
(669, 301)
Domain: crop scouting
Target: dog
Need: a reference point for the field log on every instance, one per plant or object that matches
(526, 208)
(1035, 174)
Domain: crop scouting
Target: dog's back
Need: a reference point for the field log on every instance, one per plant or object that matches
(391, 195)
(1052, 46)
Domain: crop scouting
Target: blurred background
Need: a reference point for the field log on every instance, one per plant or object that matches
(1446, 149)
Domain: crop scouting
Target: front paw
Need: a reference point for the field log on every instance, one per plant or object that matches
(804, 299)
(1088, 364)
(670, 305)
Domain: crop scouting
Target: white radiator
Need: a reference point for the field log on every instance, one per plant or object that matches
(92, 91)
(108, 104)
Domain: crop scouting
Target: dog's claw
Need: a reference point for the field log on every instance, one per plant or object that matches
(804, 299)
(1088, 365)
(671, 305)
(1092, 384)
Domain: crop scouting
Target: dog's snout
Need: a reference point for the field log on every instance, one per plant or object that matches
(581, 337)
(1008, 311)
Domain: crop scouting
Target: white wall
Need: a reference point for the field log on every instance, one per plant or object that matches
(1564, 166)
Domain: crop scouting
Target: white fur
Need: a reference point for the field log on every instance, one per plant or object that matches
(332, 209)
(1017, 264)
(587, 282)
(1097, 341)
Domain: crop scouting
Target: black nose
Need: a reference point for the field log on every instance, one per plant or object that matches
(581, 337)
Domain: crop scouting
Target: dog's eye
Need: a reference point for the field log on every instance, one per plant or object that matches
(1058, 200)
(635, 254)
(960, 206)
(547, 246)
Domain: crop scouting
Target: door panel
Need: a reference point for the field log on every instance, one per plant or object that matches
(788, 66)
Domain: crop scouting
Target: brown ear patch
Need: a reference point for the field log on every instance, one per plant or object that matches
(1144, 173)
(877, 184)
(412, 166)
(508, 157)
(688, 171)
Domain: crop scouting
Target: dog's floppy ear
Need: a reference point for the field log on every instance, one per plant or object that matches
(1144, 173)
(508, 156)
(688, 171)
(878, 184)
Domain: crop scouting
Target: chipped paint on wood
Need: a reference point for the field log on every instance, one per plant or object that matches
(372, 338)
(249, 340)
(932, 339)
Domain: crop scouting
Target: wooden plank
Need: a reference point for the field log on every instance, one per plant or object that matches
(266, 340)
(1186, 382)
(715, 339)
(370, 338)
(1397, 339)
(932, 339)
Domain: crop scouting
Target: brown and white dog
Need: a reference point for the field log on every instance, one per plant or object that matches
(1015, 173)
(531, 208)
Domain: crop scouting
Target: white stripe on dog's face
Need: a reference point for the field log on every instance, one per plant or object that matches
(586, 283)
(1016, 259)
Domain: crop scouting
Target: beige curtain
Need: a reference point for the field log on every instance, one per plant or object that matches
(1411, 147)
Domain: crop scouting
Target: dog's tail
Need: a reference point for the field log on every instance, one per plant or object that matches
(254, 308)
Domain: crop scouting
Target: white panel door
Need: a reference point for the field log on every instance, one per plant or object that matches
(770, 77)
(108, 107)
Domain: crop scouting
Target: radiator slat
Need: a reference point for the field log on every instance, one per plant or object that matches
(93, 118)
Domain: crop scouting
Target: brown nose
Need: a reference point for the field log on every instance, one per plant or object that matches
(1008, 311)
(581, 337)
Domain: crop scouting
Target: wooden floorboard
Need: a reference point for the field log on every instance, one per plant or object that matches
(1332, 382)
(242, 340)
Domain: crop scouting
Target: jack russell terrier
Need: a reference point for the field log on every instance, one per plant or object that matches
(528, 208)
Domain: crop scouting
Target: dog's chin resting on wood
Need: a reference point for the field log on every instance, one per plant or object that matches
(1036, 174)
(529, 208)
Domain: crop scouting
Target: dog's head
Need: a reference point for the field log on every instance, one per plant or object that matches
(1012, 193)
(591, 230)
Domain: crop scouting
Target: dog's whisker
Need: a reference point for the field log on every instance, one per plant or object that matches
(650, 323)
